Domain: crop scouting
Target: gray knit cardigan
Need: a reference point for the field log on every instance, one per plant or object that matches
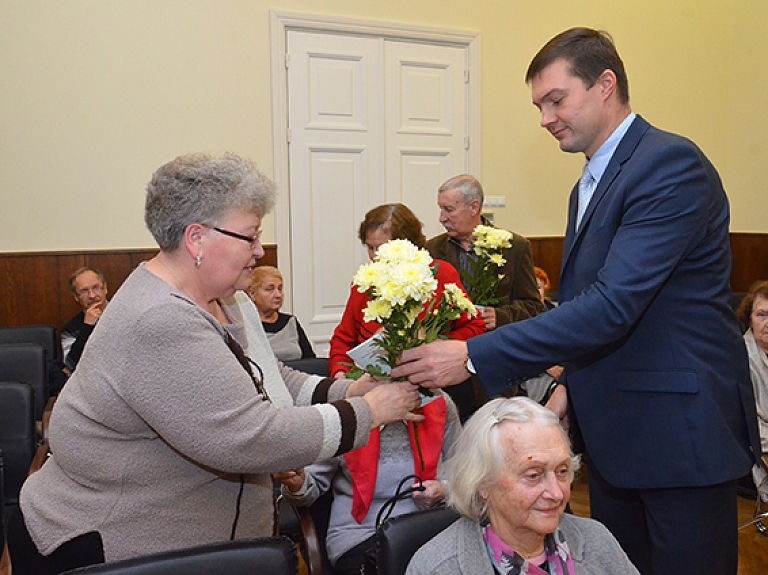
(152, 434)
(460, 550)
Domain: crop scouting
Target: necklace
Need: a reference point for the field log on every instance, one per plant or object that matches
(213, 307)
(181, 284)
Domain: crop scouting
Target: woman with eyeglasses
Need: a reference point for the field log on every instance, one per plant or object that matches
(365, 480)
(166, 435)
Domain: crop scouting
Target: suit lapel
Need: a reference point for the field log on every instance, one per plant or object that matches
(623, 152)
(570, 228)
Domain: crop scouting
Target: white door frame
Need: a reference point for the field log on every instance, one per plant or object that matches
(280, 23)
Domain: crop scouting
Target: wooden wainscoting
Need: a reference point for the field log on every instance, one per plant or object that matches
(33, 285)
(35, 289)
(750, 258)
(548, 255)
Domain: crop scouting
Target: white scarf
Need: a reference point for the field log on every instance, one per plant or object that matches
(240, 308)
(758, 369)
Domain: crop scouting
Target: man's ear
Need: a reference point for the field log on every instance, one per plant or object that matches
(474, 207)
(607, 83)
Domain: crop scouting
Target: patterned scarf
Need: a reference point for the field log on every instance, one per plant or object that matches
(507, 562)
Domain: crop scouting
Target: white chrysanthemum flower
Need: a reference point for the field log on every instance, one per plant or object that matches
(492, 238)
(416, 280)
(366, 276)
(377, 310)
(396, 251)
(394, 292)
(497, 259)
(458, 299)
(422, 257)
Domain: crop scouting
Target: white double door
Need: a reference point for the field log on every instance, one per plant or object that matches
(370, 121)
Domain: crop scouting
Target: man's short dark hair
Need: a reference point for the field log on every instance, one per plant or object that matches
(588, 53)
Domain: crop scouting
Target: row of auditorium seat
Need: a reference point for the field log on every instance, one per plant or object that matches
(25, 406)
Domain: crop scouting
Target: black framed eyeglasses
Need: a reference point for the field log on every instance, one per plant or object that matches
(253, 240)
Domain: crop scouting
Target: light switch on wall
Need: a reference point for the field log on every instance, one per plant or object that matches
(495, 201)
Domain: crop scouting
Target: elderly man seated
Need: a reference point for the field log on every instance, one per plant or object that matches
(89, 288)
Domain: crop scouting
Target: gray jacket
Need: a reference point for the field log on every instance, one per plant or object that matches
(460, 550)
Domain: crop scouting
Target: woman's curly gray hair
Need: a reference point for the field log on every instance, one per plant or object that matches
(478, 456)
(204, 189)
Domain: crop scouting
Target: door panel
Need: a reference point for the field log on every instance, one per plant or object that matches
(426, 124)
(334, 155)
(370, 121)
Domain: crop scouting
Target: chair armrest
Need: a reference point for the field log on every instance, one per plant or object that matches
(47, 417)
(41, 455)
(311, 546)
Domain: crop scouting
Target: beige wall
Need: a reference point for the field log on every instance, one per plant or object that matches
(95, 94)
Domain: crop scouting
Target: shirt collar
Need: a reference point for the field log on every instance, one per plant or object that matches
(599, 160)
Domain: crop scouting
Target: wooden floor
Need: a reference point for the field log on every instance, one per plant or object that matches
(753, 547)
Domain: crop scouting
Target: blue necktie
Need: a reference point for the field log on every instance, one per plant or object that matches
(586, 189)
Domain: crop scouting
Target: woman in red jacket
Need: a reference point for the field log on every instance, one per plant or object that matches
(382, 224)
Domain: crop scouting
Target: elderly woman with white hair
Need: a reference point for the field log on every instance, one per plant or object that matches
(510, 476)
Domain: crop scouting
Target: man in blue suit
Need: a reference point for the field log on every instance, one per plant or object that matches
(658, 389)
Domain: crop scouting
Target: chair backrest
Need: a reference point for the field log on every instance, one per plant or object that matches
(314, 365)
(26, 362)
(44, 334)
(18, 438)
(400, 537)
(2, 503)
(266, 556)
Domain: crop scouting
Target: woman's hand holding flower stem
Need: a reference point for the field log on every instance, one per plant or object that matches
(393, 402)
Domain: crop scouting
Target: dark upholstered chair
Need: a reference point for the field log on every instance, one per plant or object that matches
(45, 334)
(397, 539)
(400, 537)
(314, 365)
(18, 439)
(26, 362)
(48, 336)
(3, 513)
(267, 556)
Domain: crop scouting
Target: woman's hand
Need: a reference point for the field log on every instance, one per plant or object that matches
(363, 385)
(393, 402)
(435, 492)
(293, 480)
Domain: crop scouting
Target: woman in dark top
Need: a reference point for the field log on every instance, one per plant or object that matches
(285, 334)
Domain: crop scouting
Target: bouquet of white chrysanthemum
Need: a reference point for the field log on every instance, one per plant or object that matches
(484, 279)
(401, 284)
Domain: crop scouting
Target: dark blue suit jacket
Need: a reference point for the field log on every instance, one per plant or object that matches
(656, 366)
